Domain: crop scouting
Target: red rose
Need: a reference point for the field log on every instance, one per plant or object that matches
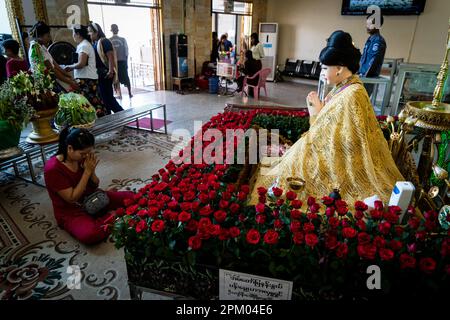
(234, 232)
(379, 242)
(298, 238)
(195, 242)
(242, 218)
(395, 245)
(341, 203)
(262, 199)
(132, 209)
(414, 223)
(296, 204)
(311, 240)
(291, 195)
(378, 205)
(245, 189)
(141, 226)
(386, 254)
(212, 195)
(329, 212)
(312, 216)
(142, 202)
(224, 234)
(260, 218)
(205, 211)
(120, 212)
(349, 232)
(186, 206)
(359, 215)
(153, 212)
(314, 208)
(280, 202)
(260, 207)
(384, 227)
(367, 251)
(262, 191)
(333, 222)
(391, 217)
(203, 197)
(361, 206)
(195, 206)
(220, 216)
(311, 201)
(158, 226)
(253, 236)
(277, 192)
(184, 216)
(234, 207)
(363, 238)
(342, 250)
(342, 210)
(361, 225)
(295, 225)
(223, 204)
(128, 202)
(407, 261)
(192, 226)
(214, 230)
(276, 213)
(376, 214)
(189, 196)
(327, 201)
(427, 265)
(242, 196)
(430, 215)
(142, 213)
(296, 214)
(271, 237)
(331, 242)
(308, 227)
(278, 224)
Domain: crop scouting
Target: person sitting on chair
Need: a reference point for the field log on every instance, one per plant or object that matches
(249, 69)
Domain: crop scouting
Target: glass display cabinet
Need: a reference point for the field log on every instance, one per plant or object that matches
(416, 82)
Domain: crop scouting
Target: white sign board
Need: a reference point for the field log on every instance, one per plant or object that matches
(243, 286)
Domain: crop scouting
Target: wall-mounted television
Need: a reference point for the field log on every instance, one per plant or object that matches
(388, 7)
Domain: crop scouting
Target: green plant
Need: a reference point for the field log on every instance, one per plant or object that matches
(74, 109)
(14, 108)
(290, 127)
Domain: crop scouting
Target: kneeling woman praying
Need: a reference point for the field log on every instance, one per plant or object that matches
(71, 182)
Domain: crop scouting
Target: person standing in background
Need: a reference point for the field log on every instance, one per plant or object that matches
(121, 47)
(214, 48)
(374, 51)
(15, 63)
(257, 49)
(106, 64)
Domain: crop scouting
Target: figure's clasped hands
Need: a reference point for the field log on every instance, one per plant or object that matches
(314, 103)
(90, 163)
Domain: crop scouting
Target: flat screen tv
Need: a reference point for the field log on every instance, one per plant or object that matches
(388, 7)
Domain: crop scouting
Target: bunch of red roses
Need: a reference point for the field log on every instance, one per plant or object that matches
(188, 211)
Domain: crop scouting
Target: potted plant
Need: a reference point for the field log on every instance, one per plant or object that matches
(14, 114)
(38, 89)
(75, 110)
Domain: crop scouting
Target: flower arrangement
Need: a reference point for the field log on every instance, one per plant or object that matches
(37, 87)
(13, 109)
(189, 216)
(74, 110)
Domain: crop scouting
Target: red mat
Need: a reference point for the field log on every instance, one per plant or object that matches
(145, 123)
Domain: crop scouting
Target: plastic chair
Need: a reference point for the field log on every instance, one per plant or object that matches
(263, 74)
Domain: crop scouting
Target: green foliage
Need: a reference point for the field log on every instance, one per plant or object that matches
(74, 109)
(290, 127)
(13, 108)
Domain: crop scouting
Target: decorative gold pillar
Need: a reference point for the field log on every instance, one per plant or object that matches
(40, 10)
(15, 10)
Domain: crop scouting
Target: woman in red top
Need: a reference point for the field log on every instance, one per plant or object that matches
(15, 64)
(70, 177)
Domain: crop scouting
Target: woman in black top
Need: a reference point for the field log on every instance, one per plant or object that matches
(106, 67)
(251, 66)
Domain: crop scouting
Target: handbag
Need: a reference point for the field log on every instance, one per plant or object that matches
(94, 203)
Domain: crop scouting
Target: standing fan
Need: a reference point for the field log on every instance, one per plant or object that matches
(64, 53)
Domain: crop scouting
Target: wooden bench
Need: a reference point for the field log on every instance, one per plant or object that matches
(102, 125)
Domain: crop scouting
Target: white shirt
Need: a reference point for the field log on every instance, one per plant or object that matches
(258, 51)
(47, 56)
(89, 71)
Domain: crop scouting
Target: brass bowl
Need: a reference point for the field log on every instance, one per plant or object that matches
(429, 117)
(296, 184)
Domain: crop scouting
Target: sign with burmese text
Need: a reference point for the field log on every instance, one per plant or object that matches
(243, 286)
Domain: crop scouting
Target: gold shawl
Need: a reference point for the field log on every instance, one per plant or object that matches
(344, 148)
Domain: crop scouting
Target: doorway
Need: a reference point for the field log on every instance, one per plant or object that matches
(139, 23)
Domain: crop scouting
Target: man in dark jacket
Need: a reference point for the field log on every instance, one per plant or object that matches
(374, 51)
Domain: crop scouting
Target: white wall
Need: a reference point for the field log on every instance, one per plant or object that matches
(306, 24)
(4, 21)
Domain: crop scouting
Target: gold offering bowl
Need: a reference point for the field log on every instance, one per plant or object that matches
(428, 116)
(296, 184)
(42, 131)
